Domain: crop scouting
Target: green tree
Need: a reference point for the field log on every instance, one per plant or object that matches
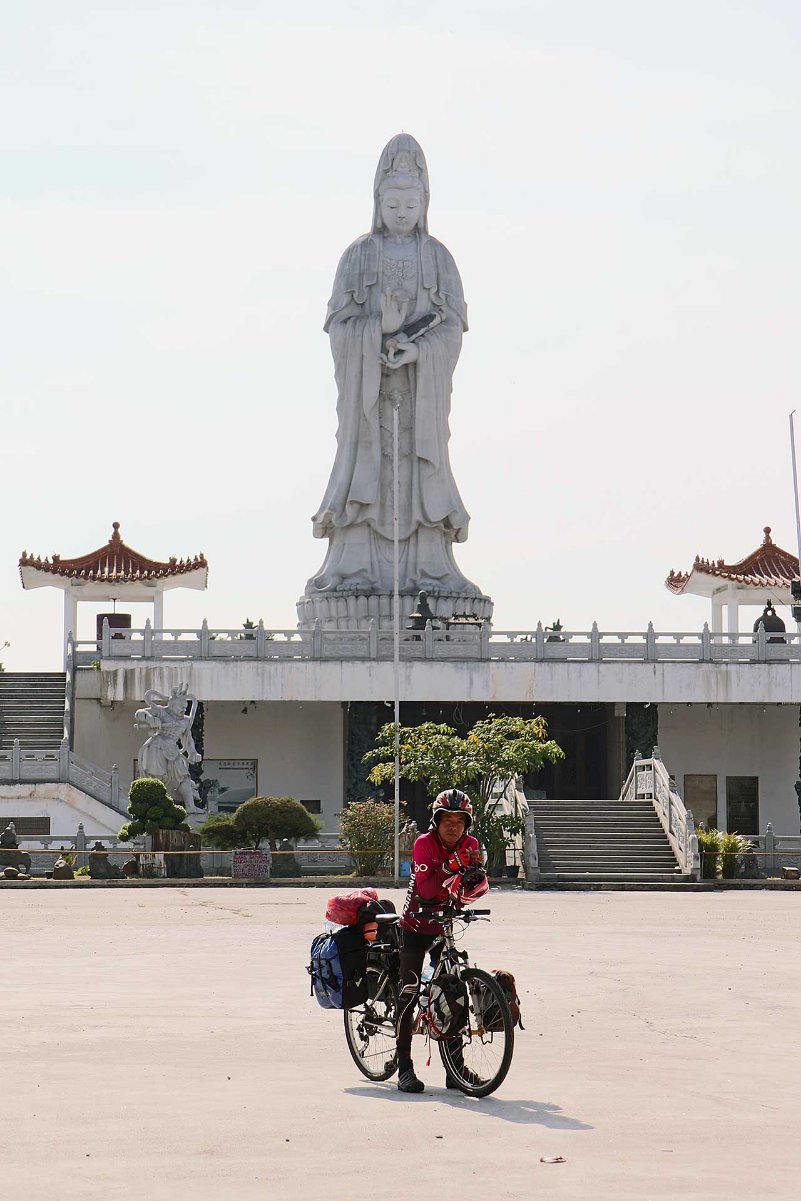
(219, 833)
(151, 808)
(272, 818)
(368, 833)
(483, 763)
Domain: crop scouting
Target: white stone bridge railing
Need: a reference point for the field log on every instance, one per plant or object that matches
(20, 765)
(648, 780)
(464, 643)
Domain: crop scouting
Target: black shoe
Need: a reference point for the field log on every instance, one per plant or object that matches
(409, 1083)
(469, 1078)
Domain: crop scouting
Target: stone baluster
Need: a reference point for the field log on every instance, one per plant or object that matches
(485, 639)
(105, 642)
(261, 640)
(148, 647)
(770, 849)
(16, 760)
(317, 639)
(115, 786)
(762, 644)
(64, 761)
(595, 643)
(650, 643)
(706, 644)
(539, 642)
(428, 640)
(373, 638)
(205, 641)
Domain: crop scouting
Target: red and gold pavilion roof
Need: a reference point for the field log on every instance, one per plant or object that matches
(114, 564)
(768, 567)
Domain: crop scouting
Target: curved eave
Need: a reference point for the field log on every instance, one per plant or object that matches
(111, 588)
(751, 592)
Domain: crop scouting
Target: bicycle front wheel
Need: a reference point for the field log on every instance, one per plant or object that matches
(370, 1029)
(479, 1057)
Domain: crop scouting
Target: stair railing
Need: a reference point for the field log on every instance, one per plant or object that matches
(650, 780)
(62, 766)
(69, 690)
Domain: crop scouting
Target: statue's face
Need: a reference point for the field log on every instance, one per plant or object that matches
(401, 209)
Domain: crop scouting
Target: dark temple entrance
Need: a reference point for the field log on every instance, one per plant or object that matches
(585, 733)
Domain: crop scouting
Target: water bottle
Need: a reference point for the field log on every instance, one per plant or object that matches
(425, 980)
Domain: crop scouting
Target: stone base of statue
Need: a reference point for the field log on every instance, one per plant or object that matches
(354, 610)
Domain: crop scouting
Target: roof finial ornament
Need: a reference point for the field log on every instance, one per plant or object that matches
(768, 540)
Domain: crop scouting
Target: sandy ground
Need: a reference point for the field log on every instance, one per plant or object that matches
(163, 1044)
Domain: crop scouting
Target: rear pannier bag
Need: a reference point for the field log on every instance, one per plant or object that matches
(338, 969)
(344, 910)
(492, 1015)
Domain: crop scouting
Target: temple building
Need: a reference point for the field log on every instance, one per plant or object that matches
(292, 711)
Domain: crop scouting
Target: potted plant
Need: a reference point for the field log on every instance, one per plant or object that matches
(732, 849)
(709, 850)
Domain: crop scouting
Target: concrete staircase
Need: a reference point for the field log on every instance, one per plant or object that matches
(602, 841)
(32, 710)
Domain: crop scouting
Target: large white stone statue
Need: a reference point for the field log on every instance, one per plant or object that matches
(170, 748)
(395, 320)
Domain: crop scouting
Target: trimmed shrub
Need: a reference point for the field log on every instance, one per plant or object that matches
(151, 809)
(273, 819)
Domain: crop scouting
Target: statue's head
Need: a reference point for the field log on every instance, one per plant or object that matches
(401, 191)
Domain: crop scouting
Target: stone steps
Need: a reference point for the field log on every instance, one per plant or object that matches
(32, 710)
(586, 841)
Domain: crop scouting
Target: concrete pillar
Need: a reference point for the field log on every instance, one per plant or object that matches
(70, 619)
(158, 610)
(717, 615)
(732, 613)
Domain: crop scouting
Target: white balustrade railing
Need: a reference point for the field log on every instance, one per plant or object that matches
(20, 765)
(649, 780)
(460, 643)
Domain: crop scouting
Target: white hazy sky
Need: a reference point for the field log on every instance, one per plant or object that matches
(618, 182)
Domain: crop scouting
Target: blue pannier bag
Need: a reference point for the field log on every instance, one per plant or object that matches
(338, 969)
(325, 969)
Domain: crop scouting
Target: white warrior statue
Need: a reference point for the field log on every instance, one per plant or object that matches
(170, 748)
(395, 320)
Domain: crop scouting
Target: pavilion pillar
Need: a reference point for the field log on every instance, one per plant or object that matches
(70, 619)
(732, 614)
(158, 610)
(717, 615)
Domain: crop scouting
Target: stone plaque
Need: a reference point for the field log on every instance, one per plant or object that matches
(251, 865)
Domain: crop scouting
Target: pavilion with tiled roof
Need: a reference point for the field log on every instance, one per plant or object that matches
(766, 574)
(112, 572)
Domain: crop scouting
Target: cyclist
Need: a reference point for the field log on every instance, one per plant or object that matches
(439, 860)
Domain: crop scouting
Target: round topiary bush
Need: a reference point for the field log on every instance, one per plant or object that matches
(151, 809)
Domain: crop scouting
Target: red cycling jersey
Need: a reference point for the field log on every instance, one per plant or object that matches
(426, 884)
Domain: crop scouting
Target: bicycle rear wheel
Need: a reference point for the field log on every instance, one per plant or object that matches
(480, 1056)
(370, 1028)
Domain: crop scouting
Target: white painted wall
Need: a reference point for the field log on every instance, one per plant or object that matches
(737, 740)
(298, 745)
(64, 805)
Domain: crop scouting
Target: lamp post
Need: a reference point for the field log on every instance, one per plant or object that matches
(396, 630)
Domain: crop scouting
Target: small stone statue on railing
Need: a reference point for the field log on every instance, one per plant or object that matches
(170, 749)
(10, 854)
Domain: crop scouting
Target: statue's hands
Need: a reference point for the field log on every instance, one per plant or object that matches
(394, 307)
(405, 352)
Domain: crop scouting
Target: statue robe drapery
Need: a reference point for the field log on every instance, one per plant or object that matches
(354, 515)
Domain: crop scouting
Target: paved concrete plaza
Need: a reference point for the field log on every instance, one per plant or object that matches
(162, 1043)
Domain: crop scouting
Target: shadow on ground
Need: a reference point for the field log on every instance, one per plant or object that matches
(527, 1113)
